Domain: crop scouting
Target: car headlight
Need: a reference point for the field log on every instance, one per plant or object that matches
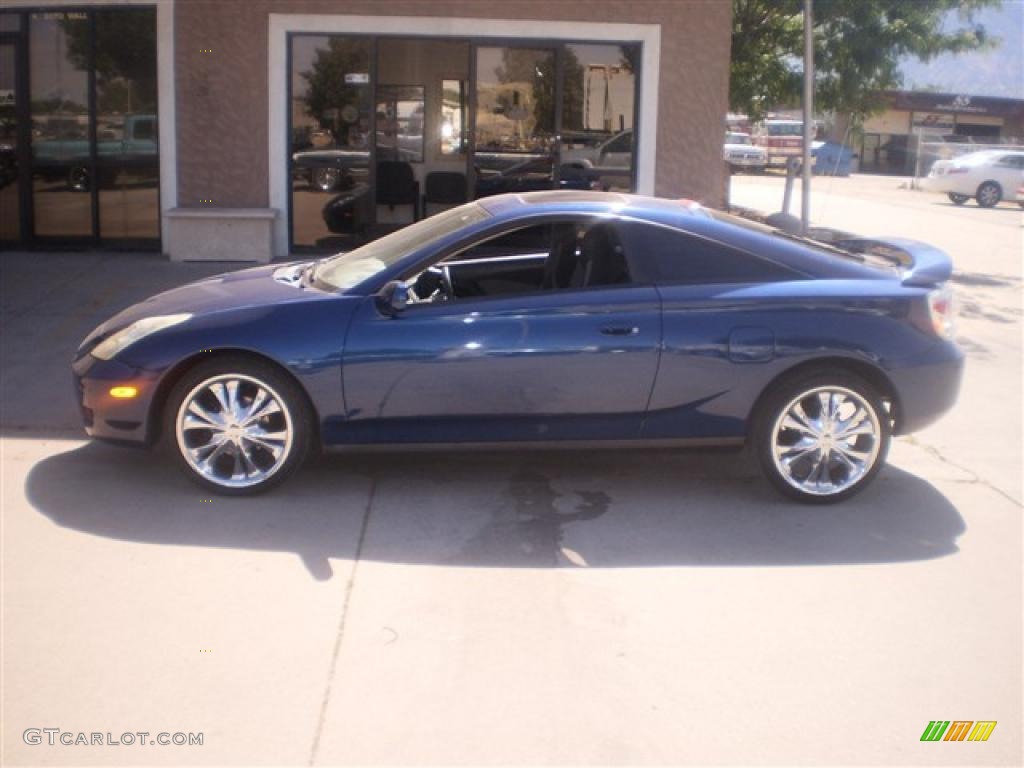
(140, 329)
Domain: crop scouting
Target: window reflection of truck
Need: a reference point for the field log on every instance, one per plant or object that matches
(780, 138)
(65, 154)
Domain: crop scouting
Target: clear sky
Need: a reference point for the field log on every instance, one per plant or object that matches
(997, 72)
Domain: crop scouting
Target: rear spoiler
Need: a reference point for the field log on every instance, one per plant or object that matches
(919, 263)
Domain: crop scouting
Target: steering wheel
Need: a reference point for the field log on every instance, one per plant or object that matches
(433, 285)
(446, 283)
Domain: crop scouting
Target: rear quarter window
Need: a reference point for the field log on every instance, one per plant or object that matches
(666, 255)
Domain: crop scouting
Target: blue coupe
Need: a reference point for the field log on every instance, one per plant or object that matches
(542, 318)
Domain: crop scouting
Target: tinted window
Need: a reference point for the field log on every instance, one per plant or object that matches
(666, 255)
(559, 255)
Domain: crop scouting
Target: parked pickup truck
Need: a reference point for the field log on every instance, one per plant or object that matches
(67, 156)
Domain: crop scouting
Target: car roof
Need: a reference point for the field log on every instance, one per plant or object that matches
(987, 154)
(567, 201)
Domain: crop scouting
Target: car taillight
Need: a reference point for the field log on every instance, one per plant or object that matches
(942, 312)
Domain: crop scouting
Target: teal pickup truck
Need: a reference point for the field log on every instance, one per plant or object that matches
(67, 157)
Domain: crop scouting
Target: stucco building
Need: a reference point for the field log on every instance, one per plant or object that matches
(253, 129)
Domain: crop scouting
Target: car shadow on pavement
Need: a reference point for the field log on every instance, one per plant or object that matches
(621, 508)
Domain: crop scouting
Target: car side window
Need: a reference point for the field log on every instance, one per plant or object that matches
(560, 255)
(667, 255)
(1011, 161)
(621, 143)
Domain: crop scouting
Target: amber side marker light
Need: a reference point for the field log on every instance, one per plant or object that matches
(123, 393)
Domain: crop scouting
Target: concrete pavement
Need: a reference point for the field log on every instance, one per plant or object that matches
(514, 608)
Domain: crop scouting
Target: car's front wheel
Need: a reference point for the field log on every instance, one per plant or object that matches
(989, 194)
(958, 199)
(237, 426)
(822, 437)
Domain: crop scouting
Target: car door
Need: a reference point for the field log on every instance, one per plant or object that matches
(550, 364)
(1007, 171)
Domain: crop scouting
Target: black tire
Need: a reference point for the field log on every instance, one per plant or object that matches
(326, 179)
(79, 179)
(295, 417)
(989, 194)
(958, 199)
(778, 401)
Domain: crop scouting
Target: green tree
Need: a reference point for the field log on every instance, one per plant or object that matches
(524, 65)
(125, 56)
(857, 48)
(327, 89)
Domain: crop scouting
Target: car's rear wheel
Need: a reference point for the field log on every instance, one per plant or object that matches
(957, 199)
(79, 179)
(326, 179)
(237, 426)
(822, 437)
(989, 194)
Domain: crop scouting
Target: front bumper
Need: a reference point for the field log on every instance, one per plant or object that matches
(107, 417)
(747, 162)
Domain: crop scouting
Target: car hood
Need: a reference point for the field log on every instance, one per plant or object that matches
(259, 286)
(744, 148)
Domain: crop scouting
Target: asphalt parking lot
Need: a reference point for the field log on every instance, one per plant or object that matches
(614, 607)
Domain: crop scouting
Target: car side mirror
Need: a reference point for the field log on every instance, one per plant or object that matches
(393, 298)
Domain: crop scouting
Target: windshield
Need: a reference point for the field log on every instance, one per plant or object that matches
(785, 129)
(737, 138)
(349, 269)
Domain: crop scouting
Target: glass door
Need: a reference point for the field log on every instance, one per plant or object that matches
(514, 141)
(89, 164)
(331, 162)
(10, 204)
(62, 148)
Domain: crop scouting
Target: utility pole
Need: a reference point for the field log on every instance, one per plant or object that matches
(805, 195)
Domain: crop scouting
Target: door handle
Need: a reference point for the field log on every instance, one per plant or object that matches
(620, 330)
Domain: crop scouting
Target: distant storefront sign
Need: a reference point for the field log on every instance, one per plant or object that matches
(955, 103)
(934, 121)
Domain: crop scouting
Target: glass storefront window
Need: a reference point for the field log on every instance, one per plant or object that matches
(94, 156)
(59, 99)
(10, 206)
(453, 117)
(10, 22)
(400, 123)
(451, 120)
(330, 152)
(515, 120)
(598, 103)
(126, 124)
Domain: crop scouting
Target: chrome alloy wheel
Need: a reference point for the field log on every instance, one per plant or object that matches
(234, 430)
(326, 179)
(826, 440)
